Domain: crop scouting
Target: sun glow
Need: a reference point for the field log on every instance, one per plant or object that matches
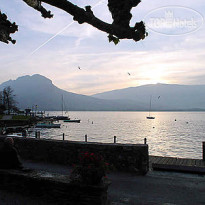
(153, 76)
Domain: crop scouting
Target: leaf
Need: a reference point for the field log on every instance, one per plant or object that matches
(114, 39)
(110, 37)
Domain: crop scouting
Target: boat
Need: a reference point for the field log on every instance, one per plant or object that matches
(150, 117)
(48, 124)
(65, 118)
(150, 106)
(75, 120)
(24, 133)
(62, 117)
(18, 134)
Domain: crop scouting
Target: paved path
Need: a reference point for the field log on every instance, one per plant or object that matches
(157, 188)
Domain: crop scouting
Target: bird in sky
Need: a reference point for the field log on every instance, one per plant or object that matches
(79, 68)
(128, 73)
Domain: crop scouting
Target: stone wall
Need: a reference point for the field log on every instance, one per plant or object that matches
(124, 157)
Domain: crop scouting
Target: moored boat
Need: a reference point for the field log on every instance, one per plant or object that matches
(75, 120)
(24, 133)
(47, 125)
(62, 118)
(150, 117)
(150, 105)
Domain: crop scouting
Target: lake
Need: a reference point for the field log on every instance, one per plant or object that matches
(176, 134)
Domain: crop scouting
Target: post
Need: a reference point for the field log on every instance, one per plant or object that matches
(63, 136)
(203, 150)
(37, 134)
(115, 139)
(86, 138)
(145, 140)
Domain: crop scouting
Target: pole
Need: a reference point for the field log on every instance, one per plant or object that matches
(37, 134)
(145, 140)
(115, 139)
(86, 138)
(62, 105)
(63, 136)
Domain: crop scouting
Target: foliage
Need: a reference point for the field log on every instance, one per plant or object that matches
(90, 170)
(119, 29)
(87, 159)
(114, 39)
(6, 28)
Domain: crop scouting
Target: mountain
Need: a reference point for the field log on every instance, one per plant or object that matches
(39, 90)
(164, 96)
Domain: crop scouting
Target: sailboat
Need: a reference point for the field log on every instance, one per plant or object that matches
(150, 106)
(65, 118)
(62, 117)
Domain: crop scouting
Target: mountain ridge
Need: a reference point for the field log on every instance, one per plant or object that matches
(39, 90)
(172, 96)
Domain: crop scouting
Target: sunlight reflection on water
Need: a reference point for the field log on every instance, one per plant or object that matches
(165, 136)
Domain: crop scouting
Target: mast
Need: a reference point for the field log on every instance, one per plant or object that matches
(150, 105)
(62, 105)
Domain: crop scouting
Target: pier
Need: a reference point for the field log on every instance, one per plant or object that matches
(177, 164)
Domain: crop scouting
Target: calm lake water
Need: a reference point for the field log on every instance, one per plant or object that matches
(176, 134)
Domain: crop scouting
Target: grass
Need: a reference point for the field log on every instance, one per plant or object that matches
(20, 117)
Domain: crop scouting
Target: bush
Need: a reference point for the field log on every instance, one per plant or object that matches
(90, 170)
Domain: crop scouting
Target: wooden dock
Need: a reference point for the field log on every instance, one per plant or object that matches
(177, 164)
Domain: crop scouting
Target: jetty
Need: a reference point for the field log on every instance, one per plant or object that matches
(177, 164)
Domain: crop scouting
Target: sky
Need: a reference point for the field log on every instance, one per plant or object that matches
(172, 53)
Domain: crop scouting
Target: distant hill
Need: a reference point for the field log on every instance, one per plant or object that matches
(39, 90)
(164, 96)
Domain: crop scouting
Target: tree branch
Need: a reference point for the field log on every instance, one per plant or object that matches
(6, 28)
(36, 4)
(117, 28)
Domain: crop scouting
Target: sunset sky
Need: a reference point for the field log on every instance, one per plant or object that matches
(56, 47)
